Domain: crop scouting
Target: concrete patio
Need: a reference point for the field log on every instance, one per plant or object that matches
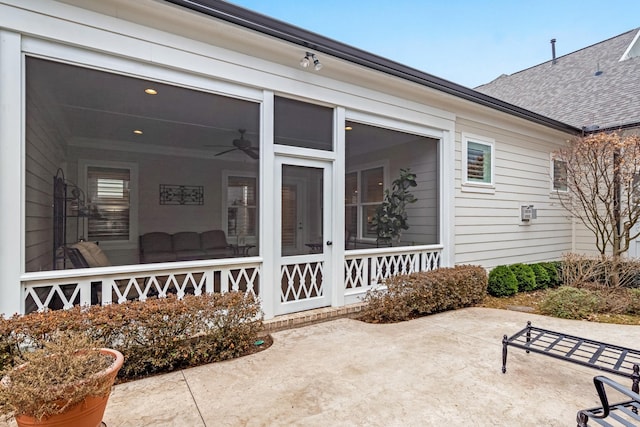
(440, 370)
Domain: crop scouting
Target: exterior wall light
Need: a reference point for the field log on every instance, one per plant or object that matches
(308, 58)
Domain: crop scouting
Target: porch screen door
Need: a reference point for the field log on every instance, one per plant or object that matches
(304, 221)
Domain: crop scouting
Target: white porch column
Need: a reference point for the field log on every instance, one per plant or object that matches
(269, 284)
(11, 163)
(336, 276)
(448, 191)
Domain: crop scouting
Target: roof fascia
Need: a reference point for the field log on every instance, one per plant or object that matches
(318, 43)
(633, 49)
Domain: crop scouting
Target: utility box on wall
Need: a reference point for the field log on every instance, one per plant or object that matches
(527, 213)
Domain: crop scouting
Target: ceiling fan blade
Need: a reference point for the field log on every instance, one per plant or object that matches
(225, 152)
(251, 154)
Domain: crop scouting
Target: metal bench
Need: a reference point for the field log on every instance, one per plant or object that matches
(610, 358)
(623, 413)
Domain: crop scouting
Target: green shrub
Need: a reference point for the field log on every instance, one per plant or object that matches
(525, 277)
(502, 282)
(553, 270)
(158, 335)
(570, 303)
(419, 294)
(542, 277)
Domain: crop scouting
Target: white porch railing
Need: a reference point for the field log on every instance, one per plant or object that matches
(363, 270)
(66, 288)
(366, 268)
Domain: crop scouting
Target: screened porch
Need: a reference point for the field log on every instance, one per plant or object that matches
(138, 188)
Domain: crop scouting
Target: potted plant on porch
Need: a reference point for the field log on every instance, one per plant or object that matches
(390, 218)
(66, 383)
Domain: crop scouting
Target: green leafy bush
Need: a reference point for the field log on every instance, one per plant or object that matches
(502, 282)
(419, 294)
(570, 303)
(525, 277)
(553, 270)
(157, 335)
(542, 277)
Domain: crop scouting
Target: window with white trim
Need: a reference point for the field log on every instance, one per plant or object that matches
(559, 175)
(364, 191)
(241, 206)
(477, 161)
(109, 203)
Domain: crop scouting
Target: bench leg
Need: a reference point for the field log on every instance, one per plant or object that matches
(505, 340)
(635, 377)
(582, 419)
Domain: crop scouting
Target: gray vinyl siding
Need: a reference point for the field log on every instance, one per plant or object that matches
(488, 229)
(43, 158)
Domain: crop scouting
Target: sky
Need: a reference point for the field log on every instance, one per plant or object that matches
(469, 42)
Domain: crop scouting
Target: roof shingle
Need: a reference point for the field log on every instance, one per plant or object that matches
(571, 92)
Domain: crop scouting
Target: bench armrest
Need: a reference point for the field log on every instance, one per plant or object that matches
(600, 382)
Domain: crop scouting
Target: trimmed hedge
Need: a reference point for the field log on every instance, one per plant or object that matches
(419, 294)
(157, 335)
(554, 269)
(541, 276)
(525, 276)
(507, 280)
(502, 282)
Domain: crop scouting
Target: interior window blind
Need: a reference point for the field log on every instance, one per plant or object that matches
(241, 210)
(108, 194)
(478, 162)
(475, 164)
(559, 175)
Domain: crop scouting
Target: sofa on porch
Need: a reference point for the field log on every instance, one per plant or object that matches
(159, 246)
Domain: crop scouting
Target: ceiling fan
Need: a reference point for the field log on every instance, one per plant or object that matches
(243, 145)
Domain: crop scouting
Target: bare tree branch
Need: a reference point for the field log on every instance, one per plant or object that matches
(602, 187)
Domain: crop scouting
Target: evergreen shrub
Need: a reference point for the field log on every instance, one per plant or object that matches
(542, 277)
(502, 282)
(554, 268)
(525, 277)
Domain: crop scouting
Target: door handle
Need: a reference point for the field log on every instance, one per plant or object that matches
(329, 243)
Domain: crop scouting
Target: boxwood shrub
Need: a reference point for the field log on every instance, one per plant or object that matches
(541, 276)
(157, 335)
(525, 277)
(502, 282)
(554, 269)
(419, 294)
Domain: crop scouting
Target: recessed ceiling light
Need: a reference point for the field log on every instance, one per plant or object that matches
(137, 132)
(348, 128)
(151, 91)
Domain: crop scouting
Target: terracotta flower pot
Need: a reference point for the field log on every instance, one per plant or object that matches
(87, 413)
